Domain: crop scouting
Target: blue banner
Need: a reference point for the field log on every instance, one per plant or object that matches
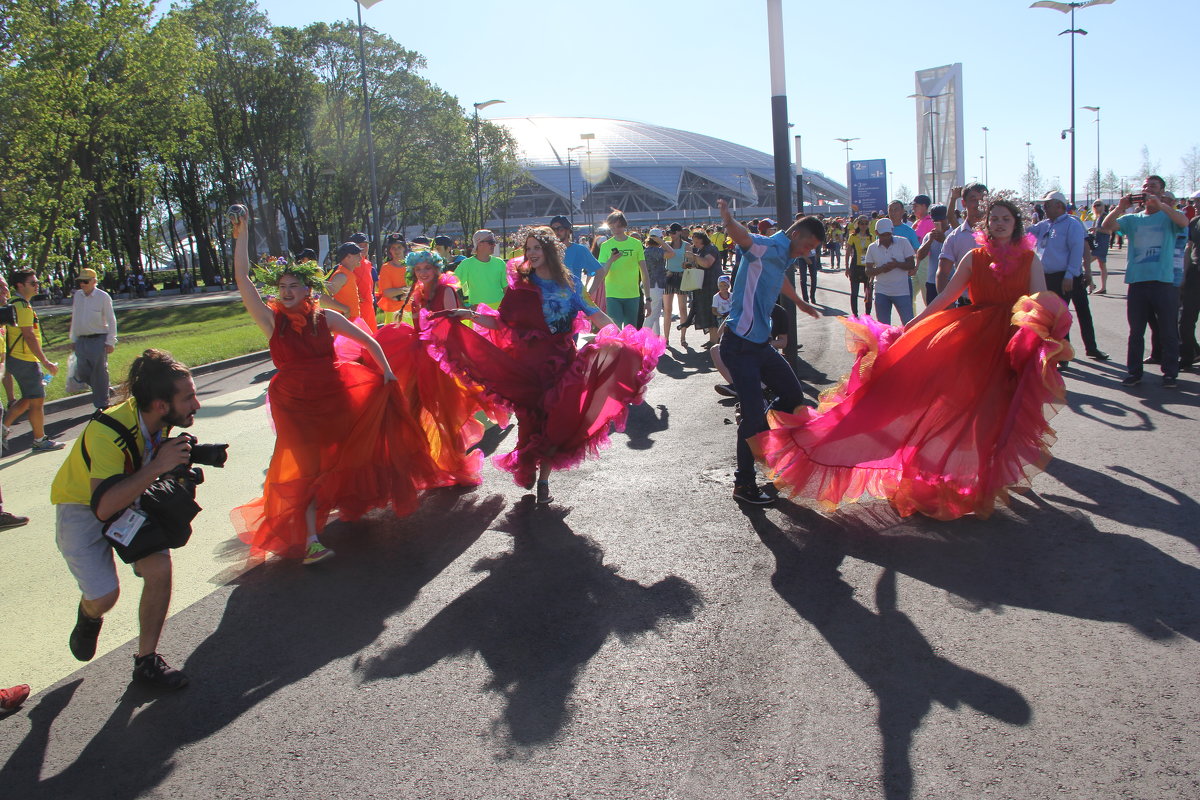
(868, 185)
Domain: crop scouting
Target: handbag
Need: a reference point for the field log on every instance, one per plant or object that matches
(693, 279)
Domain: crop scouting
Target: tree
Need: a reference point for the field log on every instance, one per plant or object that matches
(1191, 170)
(904, 194)
(1031, 181)
(1149, 166)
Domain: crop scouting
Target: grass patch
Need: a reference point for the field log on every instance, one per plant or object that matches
(194, 334)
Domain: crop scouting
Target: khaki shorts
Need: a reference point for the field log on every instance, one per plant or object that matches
(80, 539)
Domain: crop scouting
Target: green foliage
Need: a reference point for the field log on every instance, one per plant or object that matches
(126, 135)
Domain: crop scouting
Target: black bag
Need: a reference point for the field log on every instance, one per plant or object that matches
(169, 504)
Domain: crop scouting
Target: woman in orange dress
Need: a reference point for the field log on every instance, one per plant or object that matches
(345, 439)
(946, 415)
(392, 285)
(444, 404)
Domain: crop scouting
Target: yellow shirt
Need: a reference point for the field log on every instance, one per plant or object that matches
(14, 338)
(73, 483)
(718, 239)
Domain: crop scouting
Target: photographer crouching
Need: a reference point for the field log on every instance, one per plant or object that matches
(126, 487)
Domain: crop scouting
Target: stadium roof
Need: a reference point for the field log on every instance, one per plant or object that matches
(643, 169)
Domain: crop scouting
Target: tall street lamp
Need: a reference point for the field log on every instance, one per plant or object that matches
(985, 158)
(846, 142)
(1069, 8)
(1097, 110)
(782, 148)
(479, 157)
(570, 180)
(587, 138)
(377, 222)
(931, 125)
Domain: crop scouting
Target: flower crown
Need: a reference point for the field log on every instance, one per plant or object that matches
(309, 272)
(424, 257)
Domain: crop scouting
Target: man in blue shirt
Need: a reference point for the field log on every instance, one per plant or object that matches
(745, 344)
(1150, 274)
(900, 227)
(576, 258)
(1060, 244)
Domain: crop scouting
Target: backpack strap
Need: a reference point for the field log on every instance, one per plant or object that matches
(128, 440)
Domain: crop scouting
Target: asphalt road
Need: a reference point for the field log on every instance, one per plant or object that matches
(645, 637)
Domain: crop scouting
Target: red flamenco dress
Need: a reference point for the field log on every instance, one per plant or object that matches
(945, 419)
(444, 405)
(564, 398)
(344, 439)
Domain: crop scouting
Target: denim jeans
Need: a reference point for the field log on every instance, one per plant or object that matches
(750, 365)
(623, 310)
(884, 303)
(1161, 300)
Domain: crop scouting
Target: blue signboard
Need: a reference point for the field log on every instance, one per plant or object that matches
(868, 185)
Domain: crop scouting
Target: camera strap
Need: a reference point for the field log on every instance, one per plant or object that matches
(128, 441)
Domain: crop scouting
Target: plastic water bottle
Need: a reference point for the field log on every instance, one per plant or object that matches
(46, 378)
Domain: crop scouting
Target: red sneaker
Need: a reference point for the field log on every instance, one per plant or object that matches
(11, 699)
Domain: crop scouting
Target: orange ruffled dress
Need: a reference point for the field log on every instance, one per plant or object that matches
(444, 404)
(943, 420)
(344, 438)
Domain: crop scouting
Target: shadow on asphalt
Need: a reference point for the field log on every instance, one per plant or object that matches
(282, 623)
(679, 364)
(1034, 555)
(541, 614)
(642, 423)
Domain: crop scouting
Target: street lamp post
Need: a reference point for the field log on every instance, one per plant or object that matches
(479, 157)
(377, 222)
(1097, 110)
(587, 138)
(783, 167)
(846, 142)
(570, 180)
(1069, 8)
(985, 158)
(932, 115)
(799, 178)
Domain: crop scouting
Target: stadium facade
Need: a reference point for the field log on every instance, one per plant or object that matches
(650, 172)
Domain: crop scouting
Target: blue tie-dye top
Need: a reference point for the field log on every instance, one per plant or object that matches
(560, 304)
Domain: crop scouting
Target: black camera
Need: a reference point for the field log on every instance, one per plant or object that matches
(8, 315)
(207, 455)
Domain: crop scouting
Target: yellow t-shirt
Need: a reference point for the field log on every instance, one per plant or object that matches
(14, 339)
(73, 483)
(718, 239)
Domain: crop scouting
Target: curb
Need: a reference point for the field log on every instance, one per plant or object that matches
(77, 400)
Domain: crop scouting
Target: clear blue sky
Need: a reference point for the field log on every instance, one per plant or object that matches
(701, 65)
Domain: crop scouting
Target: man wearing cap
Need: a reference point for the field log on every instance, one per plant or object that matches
(484, 277)
(890, 260)
(306, 255)
(657, 251)
(1060, 243)
(364, 278)
(93, 333)
(1150, 275)
(341, 290)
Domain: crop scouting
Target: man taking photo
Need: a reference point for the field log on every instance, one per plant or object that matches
(161, 395)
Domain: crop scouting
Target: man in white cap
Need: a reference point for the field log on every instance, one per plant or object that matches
(483, 275)
(891, 260)
(1060, 244)
(657, 251)
(94, 335)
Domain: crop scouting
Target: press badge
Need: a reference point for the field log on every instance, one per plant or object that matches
(126, 527)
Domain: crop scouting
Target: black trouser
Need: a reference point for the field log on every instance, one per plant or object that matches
(1189, 350)
(1083, 310)
(1146, 301)
(858, 277)
(808, 287)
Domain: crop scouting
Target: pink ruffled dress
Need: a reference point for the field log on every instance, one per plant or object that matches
(564, 398)
(945, 419)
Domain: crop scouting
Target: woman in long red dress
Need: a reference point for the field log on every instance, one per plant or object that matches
(564, 398)
(344, 437)
(948, 417)
(444, 405)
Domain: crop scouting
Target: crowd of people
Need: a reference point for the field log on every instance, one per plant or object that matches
(386, 375)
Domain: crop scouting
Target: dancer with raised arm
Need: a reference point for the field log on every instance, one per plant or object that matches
(564, 399)
(344, 437)
(948, 417)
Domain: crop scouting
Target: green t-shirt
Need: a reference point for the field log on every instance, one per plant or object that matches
(483, 282)
(624, 275)
(14, 339)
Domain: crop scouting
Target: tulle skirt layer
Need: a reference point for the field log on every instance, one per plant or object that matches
(944, 420)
